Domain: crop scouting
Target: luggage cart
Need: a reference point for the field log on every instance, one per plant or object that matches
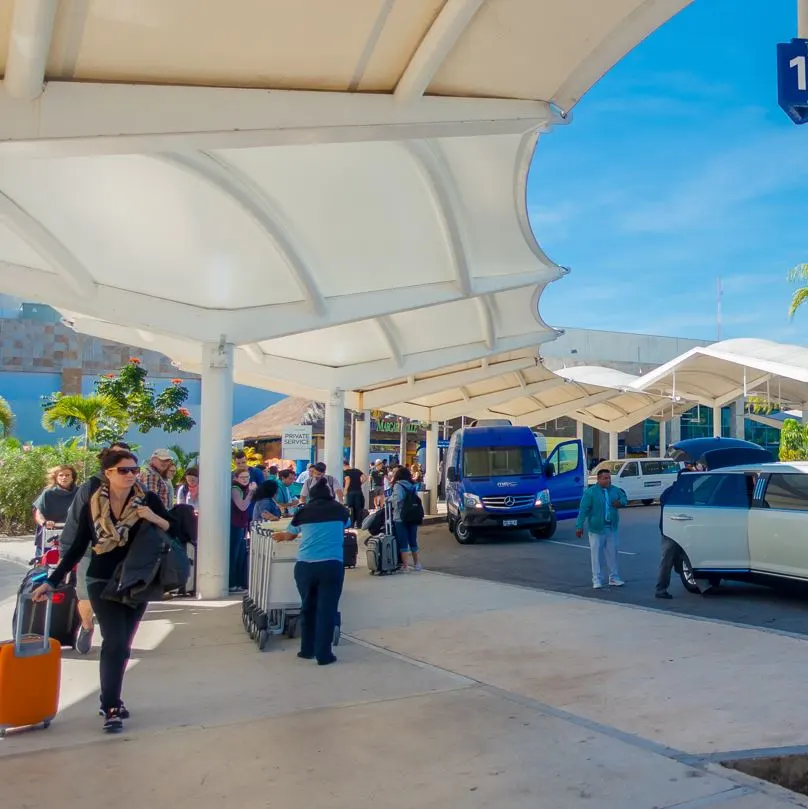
(272, 603)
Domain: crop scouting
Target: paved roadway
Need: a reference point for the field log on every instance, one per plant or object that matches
(10, 576)
(562, 565)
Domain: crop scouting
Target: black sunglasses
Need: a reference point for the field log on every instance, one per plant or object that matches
(127, 470)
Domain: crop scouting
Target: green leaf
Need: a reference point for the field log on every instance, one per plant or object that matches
(798, 299)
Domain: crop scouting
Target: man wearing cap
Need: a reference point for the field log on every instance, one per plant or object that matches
(153, 476)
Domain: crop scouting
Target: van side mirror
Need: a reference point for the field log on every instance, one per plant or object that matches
(549, 470)
(451, 474)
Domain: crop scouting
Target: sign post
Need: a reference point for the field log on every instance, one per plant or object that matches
(792, 70)
(296, 442)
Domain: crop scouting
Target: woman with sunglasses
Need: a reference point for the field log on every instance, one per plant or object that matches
(108, 524)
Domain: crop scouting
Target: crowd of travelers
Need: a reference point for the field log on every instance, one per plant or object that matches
(99, 521)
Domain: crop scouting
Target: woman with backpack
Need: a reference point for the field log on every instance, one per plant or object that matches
(408, 514)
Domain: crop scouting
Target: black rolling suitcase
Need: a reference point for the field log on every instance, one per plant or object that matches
(350, 549)
(65, 619)
(382, 550)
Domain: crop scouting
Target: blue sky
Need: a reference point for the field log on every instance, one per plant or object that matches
(679, 167)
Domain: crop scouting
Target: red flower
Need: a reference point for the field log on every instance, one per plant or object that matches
(109, 376)
(176, 381)
(134, 360)
(184, 411)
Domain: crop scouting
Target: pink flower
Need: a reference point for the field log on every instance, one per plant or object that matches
(134, 360)
(176, 381)
(184, 411)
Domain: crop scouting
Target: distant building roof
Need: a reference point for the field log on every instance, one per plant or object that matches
(269, 423)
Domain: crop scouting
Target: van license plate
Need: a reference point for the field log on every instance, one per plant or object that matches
(509, 523)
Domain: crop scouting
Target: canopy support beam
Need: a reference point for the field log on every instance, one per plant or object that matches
(28, 48)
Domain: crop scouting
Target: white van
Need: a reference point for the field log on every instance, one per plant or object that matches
(641, 479)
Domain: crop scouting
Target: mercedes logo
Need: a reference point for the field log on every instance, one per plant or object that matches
(510, 501)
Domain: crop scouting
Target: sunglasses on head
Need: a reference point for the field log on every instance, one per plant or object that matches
(127, 470)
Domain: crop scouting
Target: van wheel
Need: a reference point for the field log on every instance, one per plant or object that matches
(648, 502)
(463, 534)
(686, 575)
(546, 531)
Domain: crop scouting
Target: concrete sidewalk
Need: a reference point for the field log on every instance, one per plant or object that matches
(448, 692)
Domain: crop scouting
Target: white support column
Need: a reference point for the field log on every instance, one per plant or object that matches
(675, 430)
(402, 442)
(805, 413)
(739, 418)
(663, 438)
(213, 548)
(802, 19)
(432, 462)
(362, 449)
(613, 446)
(579, 430)
(334, 432)
(717, 421)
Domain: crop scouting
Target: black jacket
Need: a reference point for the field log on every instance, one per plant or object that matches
(154, 565)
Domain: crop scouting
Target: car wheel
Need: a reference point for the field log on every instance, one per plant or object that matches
(686, 575)
(545, 531)
(463, 534)
(648, 502)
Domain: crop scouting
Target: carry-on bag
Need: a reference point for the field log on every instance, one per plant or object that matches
(350, 549)
(382, 550)
(30, 675)
(65, 619)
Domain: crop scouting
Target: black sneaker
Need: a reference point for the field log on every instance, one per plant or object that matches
(663, 594)
(123, 711)
(113, 722)
(84, 641)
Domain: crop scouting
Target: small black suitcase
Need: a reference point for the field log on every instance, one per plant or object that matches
(65, 619)
(350, 549)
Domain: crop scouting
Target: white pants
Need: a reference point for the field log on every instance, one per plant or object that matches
(604, 548)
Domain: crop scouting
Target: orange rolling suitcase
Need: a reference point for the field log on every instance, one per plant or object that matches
(30, 673)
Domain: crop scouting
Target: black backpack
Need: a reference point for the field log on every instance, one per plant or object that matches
(412, 509)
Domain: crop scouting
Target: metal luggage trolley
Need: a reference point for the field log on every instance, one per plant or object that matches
(272, 603)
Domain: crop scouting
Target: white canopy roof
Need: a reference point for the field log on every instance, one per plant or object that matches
(255, 170)
(723, 372)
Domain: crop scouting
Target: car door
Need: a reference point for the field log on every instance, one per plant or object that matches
(778, 526)
(567, 482)
(708, 516)
(629, 480)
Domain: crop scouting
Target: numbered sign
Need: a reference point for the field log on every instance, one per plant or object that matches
(792, 79)
(296, 442)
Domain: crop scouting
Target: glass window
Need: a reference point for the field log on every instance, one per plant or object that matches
(722, 491)
(651, 467)
(566, 458)
(734, 491)
(610, 466)
(787, 492)
(631, 470)
(486, 462)
(670, 467)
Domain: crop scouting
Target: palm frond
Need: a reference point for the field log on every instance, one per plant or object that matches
(797, 300)
(798, 274)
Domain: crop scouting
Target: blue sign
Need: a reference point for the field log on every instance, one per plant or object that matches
(443, 443)
(792, 79)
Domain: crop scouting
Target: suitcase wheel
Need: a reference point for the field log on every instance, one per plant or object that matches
(291, 627)
(263, 637)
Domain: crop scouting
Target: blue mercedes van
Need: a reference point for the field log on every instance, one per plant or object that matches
(497, 479)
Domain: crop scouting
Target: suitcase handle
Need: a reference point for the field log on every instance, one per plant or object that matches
(32, 649)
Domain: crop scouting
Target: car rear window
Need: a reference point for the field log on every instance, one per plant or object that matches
(789, 492)
(660, 467)
(715, 491)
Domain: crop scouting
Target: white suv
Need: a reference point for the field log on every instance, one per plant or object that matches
(746, 523)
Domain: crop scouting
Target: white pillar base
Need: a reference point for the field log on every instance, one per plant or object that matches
(432, 471)
(213, 547)
(717, 421)
(613, 447)
(675, 430)
(663, 438)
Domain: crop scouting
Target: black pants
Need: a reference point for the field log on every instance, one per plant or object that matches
(118, 626)
(355, 501)
(320, 586)
(669, 551)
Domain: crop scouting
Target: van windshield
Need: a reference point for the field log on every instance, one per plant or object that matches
(487, 462)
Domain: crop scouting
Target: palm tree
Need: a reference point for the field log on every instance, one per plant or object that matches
(83, 413)
(798, 275)
(6, 418)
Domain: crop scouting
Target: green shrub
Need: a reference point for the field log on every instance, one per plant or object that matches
(22, 478)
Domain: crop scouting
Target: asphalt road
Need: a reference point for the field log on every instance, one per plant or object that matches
(562, 565)
(10, 577)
